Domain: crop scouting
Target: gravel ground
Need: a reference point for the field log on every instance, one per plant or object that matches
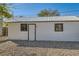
(36, 51)
(26, 48)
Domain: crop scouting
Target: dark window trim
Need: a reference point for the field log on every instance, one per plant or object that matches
(23, 28)
(61, 27)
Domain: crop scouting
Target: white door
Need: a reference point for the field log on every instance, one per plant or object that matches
(31, 32)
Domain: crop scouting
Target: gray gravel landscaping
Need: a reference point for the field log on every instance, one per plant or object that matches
(39, 48)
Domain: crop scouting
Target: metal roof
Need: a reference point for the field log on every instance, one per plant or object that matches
(54, 18)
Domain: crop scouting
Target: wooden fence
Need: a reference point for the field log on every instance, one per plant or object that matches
(4, 31)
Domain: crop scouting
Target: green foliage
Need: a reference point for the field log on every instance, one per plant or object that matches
(4, 11)
(46, 13)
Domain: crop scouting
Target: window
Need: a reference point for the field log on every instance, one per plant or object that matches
(58, 27)
(23, 27)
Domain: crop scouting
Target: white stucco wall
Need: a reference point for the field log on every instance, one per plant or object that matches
(15, 33)
(45, 31)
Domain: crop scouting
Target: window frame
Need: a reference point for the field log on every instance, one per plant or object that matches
(61, 28)
(25, 28)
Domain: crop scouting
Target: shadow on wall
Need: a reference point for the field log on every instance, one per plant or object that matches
(48, 44)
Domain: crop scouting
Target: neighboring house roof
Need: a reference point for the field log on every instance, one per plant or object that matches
(54, 18)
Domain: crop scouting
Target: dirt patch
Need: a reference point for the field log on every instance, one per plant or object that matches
(30, 51)
(7, 47)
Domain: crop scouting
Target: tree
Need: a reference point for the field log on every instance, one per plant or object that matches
(4, 11)
(46, 12)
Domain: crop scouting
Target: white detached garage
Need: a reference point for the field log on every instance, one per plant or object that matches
(58, 28)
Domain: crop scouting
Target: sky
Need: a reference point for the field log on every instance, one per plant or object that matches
(32, 9)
